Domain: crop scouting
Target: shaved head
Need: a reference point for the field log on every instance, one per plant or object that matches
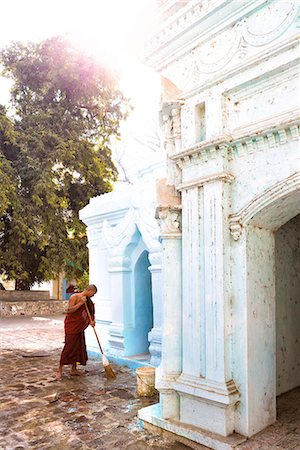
(91, 287)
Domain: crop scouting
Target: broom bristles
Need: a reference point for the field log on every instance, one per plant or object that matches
(109, 372)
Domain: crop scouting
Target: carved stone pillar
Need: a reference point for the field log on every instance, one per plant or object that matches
(207, 392)
(154, 336)
(171, 118)
(171, 364)
(120, 279)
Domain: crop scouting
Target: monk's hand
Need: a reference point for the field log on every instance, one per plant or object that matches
(83, 299)
(93, 323)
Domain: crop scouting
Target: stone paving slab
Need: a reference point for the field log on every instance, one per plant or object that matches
(86, 412)
(89, 412)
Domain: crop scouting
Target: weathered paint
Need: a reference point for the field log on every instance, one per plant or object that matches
(239, 185)
(287, 240)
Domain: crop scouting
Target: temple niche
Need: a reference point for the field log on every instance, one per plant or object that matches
(230, 247)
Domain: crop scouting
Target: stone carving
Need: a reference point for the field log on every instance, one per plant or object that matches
(176, 26)
(221, 56)
(120, 235)
(171, 117)
(253, 26)
(148, 228)
(219, 176)
(167, 132)
(239, 146)
(176, 128)
(235, 230)
(169, 220)
(171, 122)
(232, 45)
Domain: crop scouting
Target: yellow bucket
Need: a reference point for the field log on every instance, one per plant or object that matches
(146, 381)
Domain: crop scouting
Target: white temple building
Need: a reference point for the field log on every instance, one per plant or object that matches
(124, 245)
(226, 318)
(231, 249)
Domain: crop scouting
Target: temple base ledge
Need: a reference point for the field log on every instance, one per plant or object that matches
(189, 435)
(119, 360)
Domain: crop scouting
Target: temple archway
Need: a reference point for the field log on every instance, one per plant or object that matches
(271, 286)
(143, 316)
(287, 291)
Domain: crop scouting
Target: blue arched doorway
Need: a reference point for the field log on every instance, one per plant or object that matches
(143, 303)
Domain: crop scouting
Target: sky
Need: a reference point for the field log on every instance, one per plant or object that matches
(113, 31)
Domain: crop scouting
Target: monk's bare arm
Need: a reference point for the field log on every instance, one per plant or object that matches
(75, 303)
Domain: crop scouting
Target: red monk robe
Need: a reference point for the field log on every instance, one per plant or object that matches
(76, 322)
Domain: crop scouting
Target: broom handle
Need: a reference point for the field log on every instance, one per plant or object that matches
(89, 314)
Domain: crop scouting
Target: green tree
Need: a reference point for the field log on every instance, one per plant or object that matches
(54, 156)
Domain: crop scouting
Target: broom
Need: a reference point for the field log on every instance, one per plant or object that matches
(109, 373)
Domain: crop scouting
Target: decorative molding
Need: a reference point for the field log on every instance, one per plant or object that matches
(222, 176)
(94, 234)
(148, 227)
(225, 393)
(237, 222)
(231, 42)
(206, 17)
(171, 124)
(257, 40)
(245, 141)
(118, 237)
(236, 35)
(116, 339)
(176, 24)
(230, 71)
(235, 230)
(275, 78)
(170, 221)
(203, 151)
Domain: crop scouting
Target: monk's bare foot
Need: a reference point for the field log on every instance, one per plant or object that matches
(58, 375)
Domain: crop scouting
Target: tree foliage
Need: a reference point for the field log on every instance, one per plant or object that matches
(54, 156)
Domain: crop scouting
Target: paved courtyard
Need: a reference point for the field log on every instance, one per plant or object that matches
(88, 412)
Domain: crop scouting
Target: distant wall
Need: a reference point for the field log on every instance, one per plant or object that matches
(35, 308)
(24, 296)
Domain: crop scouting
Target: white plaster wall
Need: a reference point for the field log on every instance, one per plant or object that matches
(259, 171)
(245, 69)
(44, 286)
(238, 310)
(288, 305)
(261, 365)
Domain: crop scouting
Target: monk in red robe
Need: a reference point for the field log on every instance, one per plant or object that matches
(76, 321)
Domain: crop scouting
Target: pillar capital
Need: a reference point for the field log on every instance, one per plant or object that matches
(169, 219)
